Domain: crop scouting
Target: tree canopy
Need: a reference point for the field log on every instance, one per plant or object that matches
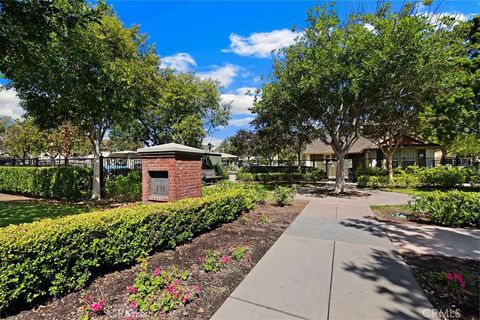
(88, 74)
(453, 119)
(182, 109)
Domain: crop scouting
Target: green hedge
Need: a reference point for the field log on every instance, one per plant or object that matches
(52, 257)
(272, 169)
(125, 187)
(443, 176)
(290, 177)
(70, 183)
(452, 208)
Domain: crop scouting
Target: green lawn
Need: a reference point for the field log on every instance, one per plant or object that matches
(16, 212)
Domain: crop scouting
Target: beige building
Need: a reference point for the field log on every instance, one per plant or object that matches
(364, 153)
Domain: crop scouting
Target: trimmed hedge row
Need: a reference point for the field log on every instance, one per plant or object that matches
(290, 177)
(52, 257)
(443, 176)
(272, 169)
(70, 183)
(451, 209)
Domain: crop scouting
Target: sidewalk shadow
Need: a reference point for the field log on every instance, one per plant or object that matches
(398, 284)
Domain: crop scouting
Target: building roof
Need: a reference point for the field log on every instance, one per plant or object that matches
(362, 144)
(227, 155)
(318, 146)
(170, 147)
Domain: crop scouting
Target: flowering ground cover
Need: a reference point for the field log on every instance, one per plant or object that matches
(190, 282)
(451, 284)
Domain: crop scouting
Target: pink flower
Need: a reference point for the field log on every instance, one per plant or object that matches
(196, 289)
(131, 289)
(449, 276)
(157, 272)
(225, 259)
(97, 307)
(186, 297)
(458, 277)
(134, 304)
(200, 260)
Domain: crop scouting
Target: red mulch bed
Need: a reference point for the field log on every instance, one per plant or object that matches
(257, 230)
(426, 269)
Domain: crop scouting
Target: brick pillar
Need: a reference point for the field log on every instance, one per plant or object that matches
(173, 174)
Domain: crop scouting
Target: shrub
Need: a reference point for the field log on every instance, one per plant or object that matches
(284, 195)
(444, 176)
(70, 183)
(277, 169)
(125, 187)
(245, 176)
(451, 208)
(288, 177)
(52, 257)
(373, 182)
(221, 171)
(374, 171)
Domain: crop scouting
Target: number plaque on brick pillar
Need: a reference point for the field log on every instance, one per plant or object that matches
(171, 172)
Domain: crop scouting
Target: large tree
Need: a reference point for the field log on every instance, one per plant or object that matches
(23, 139)
(412, 57)
(182, 108)
(241, 144)
(327, 74)
(89, 74)
(454, 117)
(281, 121)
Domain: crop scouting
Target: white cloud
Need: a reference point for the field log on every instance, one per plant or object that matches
(241, 122)
(182, 62)
(224, 74)
(261, 44)
(369, 27)
(214, 141)
(10, 104)
(241, 100)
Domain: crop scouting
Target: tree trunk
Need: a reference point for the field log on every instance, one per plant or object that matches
(299, 159)
(340, 174)
(96, 188)
(390, 164)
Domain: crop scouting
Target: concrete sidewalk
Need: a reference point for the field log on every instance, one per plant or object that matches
(333, 262)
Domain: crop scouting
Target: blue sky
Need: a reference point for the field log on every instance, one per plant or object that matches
(229, 41)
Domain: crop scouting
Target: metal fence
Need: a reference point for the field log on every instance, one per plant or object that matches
(110, 166)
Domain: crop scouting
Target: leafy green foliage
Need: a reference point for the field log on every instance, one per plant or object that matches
(239, 252)
(125, 187)
(284, 194)
(160, 291)
(52, 257)
(71, 183)
(182, 108)
(23, 139)
(289, 177)
(453, 119)
(443, 176)
(221, 171)
(211, 261)
(452, 208)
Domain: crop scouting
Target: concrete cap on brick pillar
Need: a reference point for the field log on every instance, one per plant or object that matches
(171, 148)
